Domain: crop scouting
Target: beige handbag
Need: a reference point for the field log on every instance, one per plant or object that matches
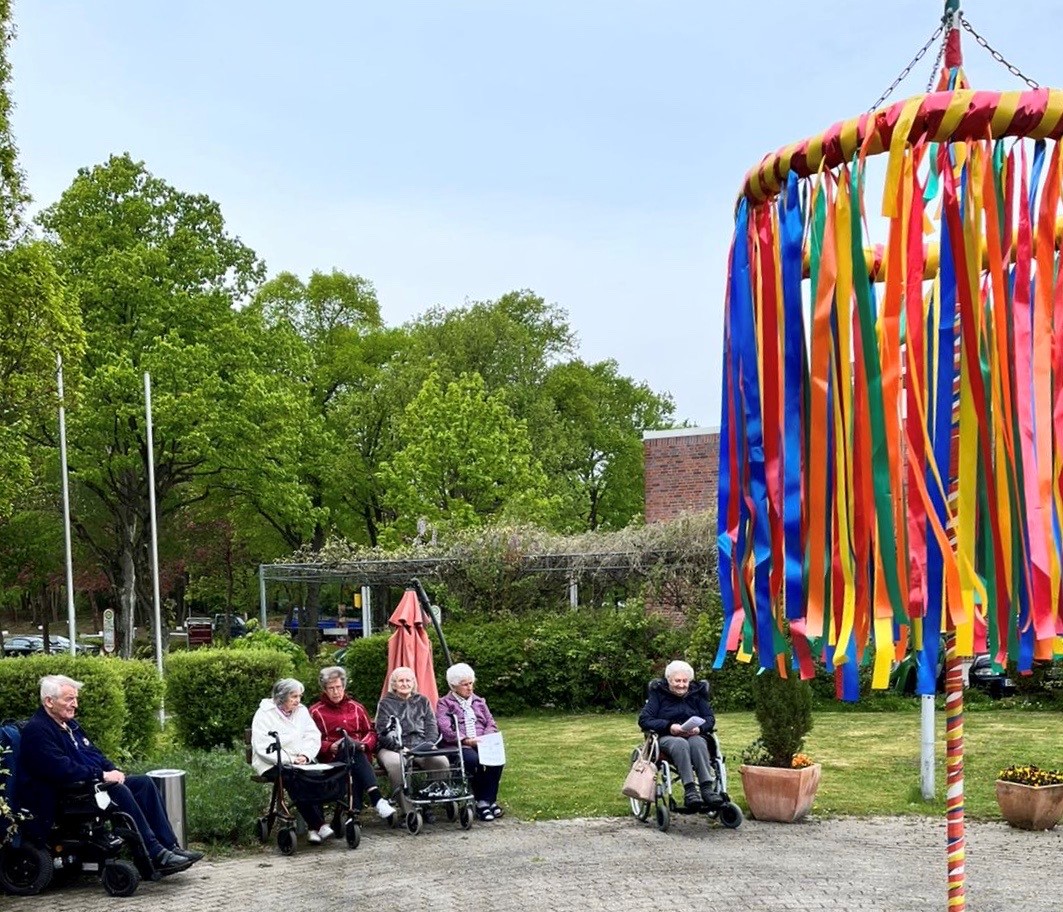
(641, 781)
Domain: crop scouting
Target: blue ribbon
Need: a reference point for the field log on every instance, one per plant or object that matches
(792, 224)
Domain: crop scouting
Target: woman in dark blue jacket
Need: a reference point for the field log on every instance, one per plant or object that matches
(678, 710)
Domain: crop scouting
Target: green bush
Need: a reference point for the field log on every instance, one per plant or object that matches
(143, 692)
(585, 659)
(263, 638)
(213, 693)
(101, 702)
(221, 801)
(366, 661)
(784, 714)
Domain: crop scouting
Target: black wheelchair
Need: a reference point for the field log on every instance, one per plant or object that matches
(664, 804)
(88, 836)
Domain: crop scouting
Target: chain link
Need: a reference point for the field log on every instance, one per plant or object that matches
(1014, 70)
(936, 68)
(904, 73)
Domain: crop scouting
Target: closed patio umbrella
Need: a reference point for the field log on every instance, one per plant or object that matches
(409, 645)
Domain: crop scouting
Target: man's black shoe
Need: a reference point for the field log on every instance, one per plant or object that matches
(191, 854)
(167, 862)
(691, 798)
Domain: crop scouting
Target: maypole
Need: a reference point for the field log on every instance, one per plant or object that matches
(891, 462)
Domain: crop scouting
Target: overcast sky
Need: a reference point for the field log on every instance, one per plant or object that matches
(453, 150)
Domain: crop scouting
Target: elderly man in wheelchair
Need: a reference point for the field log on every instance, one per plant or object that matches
(61, 770)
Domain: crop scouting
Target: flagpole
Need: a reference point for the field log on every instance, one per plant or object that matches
(71, 617)
(154, 536)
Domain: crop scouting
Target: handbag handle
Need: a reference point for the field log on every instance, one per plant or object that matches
(651, 750)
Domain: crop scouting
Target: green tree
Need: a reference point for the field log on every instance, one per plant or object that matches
(464, 460)
(598, 443)
(158, 277)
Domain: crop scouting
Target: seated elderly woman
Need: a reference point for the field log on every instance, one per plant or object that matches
(672, 709)
(300, 742)
(463, 718)
(336, 714)
(402, 704)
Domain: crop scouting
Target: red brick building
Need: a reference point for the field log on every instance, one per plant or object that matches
(681, 471)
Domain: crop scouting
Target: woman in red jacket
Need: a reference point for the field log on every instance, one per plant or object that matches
(336, 713)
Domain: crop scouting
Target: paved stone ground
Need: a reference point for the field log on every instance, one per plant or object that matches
(615, 864)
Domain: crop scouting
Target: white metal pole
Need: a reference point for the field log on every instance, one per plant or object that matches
(71, 618)
(154, 536)
(262, 594)
(367, 612)
(926, 759)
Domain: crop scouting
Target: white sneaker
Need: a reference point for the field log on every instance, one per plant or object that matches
(313, 837)
(326, 832)
(384, 808)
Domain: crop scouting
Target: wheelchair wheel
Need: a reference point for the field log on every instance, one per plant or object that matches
(640, 809)
(120, 878)
(262, 829)
(465, 816)
(353, 833)
(414, 822)
(664, 817)
(25, 870)
(452, 811)
(730, 815)
(286, 840)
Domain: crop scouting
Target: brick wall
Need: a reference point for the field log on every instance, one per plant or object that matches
(681, 471)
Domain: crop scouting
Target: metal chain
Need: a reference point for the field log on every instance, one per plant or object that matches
(936, 67)
(1014, 70)
(904, 73)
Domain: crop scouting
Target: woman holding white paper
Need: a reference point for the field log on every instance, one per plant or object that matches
(678, 710)
(464, 719)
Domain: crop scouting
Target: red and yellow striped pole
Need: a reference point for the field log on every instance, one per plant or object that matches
(955, 829)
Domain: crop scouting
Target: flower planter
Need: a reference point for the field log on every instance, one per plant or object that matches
(1030, 807)
(781, 795)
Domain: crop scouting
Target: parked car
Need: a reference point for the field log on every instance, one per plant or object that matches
(982, 676)
(17, 646)
(31, 644)
(237, 626)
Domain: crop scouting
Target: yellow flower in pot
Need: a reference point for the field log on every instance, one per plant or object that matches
(1030, 798)
(778, 780)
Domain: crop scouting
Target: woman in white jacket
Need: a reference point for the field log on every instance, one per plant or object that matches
(300, 741)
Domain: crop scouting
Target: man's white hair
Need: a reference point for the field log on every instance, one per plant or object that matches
(52, 686)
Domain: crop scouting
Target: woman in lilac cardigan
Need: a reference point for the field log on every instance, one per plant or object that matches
(463, 718)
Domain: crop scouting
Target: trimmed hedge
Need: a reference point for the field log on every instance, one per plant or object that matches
(143, 696)
(366, 661)
(576, 660)
(213, 693)
(102, 708)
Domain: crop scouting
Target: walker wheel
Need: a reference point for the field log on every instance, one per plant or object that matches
(452, 811)
(465, 816)
(414, 822)
(353, 832)
(262, 829)
(286, 841)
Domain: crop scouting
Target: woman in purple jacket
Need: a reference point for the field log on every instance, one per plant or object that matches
(463, 718)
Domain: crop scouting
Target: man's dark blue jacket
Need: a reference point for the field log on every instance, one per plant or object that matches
(52, 759)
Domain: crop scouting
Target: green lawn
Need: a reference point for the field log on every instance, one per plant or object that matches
(573, 766)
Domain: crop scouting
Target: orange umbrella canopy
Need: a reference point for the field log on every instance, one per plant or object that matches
(409, 646)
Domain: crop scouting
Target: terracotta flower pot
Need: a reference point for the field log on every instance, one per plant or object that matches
(782, 795)
(1030, 807)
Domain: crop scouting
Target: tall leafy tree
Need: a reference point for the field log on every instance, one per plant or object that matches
(465, 460)
(158, 277)
(601, 416)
